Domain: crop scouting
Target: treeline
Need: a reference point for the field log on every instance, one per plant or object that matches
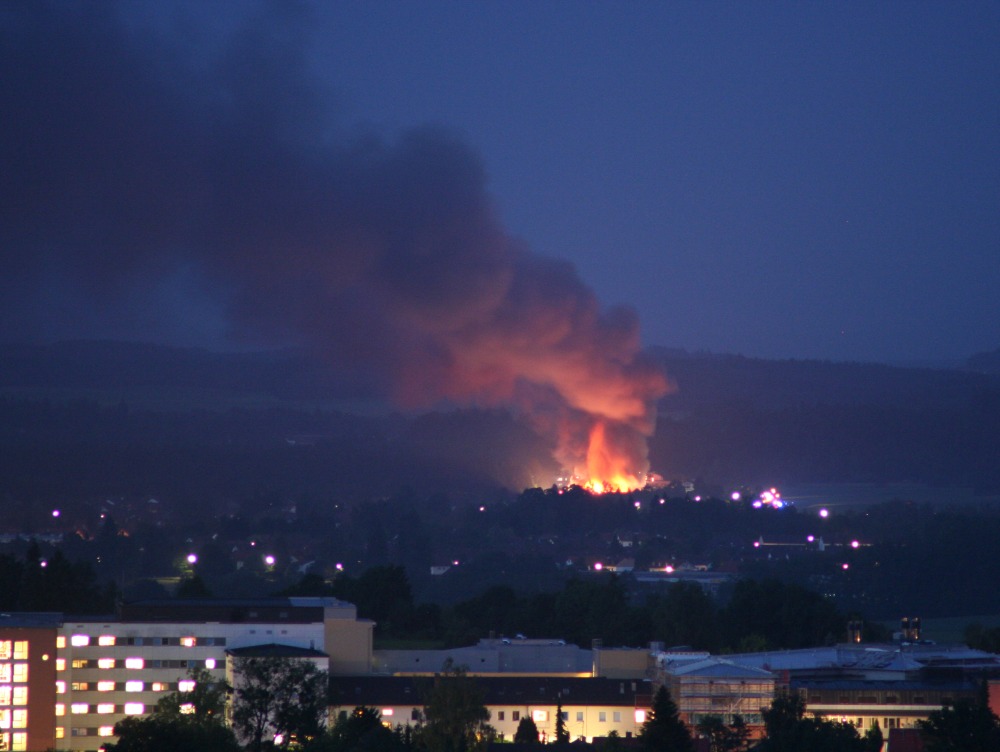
(823, 442)
(52, 584)
(751, 616)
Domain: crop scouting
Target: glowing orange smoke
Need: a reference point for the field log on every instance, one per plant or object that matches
(608, 467)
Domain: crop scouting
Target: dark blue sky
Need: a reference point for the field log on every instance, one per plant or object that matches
(809, 180)
(779, 179)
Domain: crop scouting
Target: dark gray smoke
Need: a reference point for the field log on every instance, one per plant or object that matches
(167, 179)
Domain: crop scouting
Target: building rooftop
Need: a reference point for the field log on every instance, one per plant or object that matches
(497, 690)
(30, 619)
(234, 610)
(274, 650)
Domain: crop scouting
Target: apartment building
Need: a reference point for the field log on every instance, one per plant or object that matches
(72, 678)
(28, 660)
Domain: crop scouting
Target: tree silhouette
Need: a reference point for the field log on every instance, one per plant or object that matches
(966, 726)
(456, 714)
(275, 695)
(562, 733)
(787, 730)
(664, 731)
(527, 731)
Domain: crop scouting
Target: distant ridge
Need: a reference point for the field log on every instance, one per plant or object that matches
(706, 378)
(986, 362)
(113, 366)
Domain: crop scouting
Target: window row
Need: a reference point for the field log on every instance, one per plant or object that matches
(17, 718)
(103, 708)
(13, 696)
(92, 731)
(185, 685)
(85, 640)
(16, 649)
(542, 716)
(13, 672)
(133, 663)
(17, 741)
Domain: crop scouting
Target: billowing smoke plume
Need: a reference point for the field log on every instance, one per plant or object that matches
(159, 180)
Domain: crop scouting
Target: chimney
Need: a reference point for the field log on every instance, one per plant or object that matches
(854, 629)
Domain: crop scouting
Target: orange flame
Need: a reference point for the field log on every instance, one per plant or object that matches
(608, 469)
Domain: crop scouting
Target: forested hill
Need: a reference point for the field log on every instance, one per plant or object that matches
(731, 419)
(702, 378)
(707, 379)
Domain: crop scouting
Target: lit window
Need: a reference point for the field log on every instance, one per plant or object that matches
(79, 640)
(79, 663)
(5, 672)
(21, 672)
(158, 687)
(20, 696)
(188, 642)
(6, 648)
(106, 731)
(134, 663)
(539, 716)
(79, 708)
(134, 708)
(5, 693)
(60, 709)
(60, 664)
(187, 708)
(105, 662)
(106, 686)
(21, 650)
(60, 732)
(133, 686)
(185, 686)
(79, 686)
(4, 718)
(21, 718)
(106, 707)
(210, 663)
(387, 711)
(106, 640)
(61, 641)
(20, 742)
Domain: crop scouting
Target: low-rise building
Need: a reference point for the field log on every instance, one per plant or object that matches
(591, 707)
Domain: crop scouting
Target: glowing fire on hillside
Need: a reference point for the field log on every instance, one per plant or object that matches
(609, 467)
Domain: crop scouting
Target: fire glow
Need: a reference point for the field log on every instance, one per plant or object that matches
(607, 469)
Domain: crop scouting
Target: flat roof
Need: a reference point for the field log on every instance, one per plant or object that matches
(497, 690)
(30, 619)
